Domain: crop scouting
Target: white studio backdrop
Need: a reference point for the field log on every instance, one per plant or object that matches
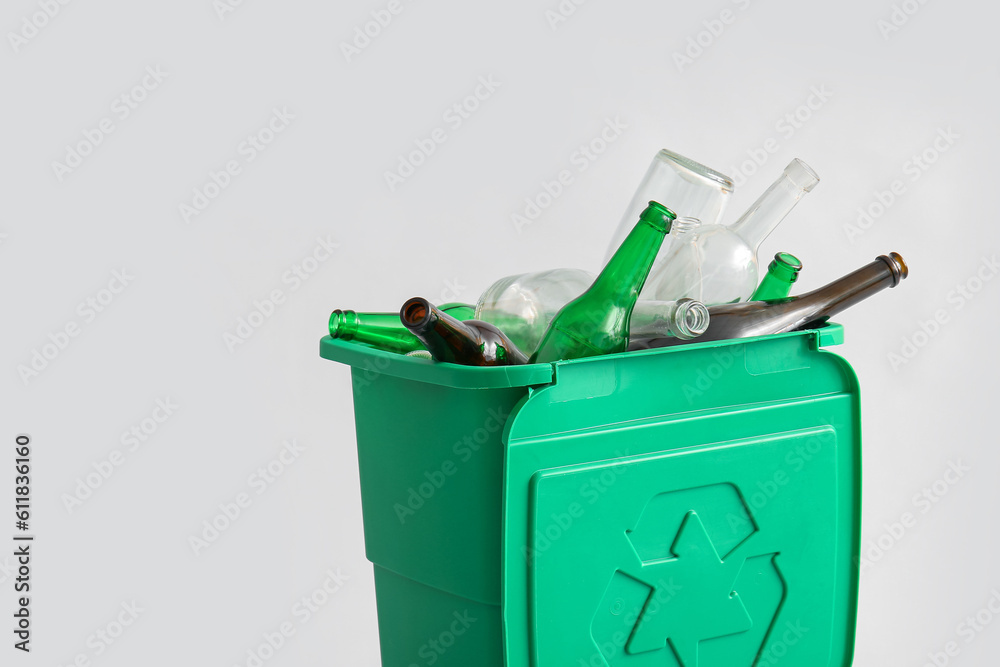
(189, 189)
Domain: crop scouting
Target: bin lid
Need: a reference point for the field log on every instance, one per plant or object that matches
(367, 359)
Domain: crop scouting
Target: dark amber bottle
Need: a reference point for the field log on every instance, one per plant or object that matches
(472, 343)
(760, 318)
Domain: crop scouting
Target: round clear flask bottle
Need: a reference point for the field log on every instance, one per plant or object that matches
(717, 264)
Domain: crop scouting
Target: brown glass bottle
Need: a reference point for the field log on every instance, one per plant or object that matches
(472, 342)
(760, 318)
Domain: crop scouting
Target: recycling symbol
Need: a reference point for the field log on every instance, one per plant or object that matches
(696, 594)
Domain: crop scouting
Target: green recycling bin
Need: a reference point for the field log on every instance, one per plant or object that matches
(691, 506)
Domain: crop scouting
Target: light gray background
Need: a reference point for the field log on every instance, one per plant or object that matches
(447, 233)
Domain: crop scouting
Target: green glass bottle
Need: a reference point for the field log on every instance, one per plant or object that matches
(472, 342)
(384, 330)
(777, 282)
(597, 321)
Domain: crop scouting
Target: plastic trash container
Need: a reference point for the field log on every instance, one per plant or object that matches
(691, 506)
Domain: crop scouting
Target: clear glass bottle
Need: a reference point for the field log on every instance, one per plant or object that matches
(708, 263)
(689, 188)
(523, 305)
(682, 319)
(782, 272)
(761, 318)
(597, 321)
(758, 221)
(716, 264)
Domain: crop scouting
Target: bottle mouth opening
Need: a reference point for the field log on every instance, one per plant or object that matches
(897, 265)
(658, 215)
(788, 260)
(685, 224)
(415, 311)
(343, 324)
(336, 321)
(801, 175)
(692, 318)
(697, 169)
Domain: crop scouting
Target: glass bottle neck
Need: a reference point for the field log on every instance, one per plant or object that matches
(757, 223)
(423, 318)
(685, 226)
(683, 319)
(785, 267)
(625, 273)
(383, 330)
(343, 324)
(885, 271)
(348, 324)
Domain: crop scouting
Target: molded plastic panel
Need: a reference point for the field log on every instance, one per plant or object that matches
(701, 510)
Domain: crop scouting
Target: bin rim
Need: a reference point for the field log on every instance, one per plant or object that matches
(370, 360)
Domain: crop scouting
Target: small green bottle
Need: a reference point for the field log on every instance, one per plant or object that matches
(384, 330)
(597, 321)
(777, 282)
